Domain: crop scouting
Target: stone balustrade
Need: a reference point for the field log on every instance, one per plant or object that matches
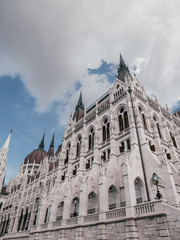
(116, 213)
(72, 221)
(91, 218)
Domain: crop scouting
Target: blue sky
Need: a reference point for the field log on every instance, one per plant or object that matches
(18, 113)
(50, 50)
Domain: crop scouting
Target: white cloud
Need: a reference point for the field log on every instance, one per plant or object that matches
(52, 43)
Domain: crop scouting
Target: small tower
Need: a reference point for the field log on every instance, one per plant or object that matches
(3, 158)
(79, 111)
(123, 70)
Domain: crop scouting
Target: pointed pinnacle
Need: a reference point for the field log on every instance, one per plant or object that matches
(80, 102)
(52, 141)
(122, 65)
(41, 145)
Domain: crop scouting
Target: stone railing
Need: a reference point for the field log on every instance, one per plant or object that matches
(144, 208)
(72, 221)
(91, 218)
(56, 224)
(116, 213)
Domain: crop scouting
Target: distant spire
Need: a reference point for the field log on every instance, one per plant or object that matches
(41, 145)
(6, 144)
(52, 141)
(79, 110)
(123, 71)
(122, 66)
(80, 102)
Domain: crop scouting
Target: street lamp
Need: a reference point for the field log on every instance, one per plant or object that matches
(75, 204)
(155, 181)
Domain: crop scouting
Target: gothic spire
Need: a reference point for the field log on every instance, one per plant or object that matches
(79, 110)
(122, 69)
(122, 66)
(41, 145)
(6, 144)
(80, 102)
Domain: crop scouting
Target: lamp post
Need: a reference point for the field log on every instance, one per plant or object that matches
(75, 204)
(155, 181)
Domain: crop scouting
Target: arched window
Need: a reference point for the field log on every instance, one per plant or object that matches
(67, 153)
(173, 139)
(3, 224)
(91, 139)
(36, 211)
(106, 130)
(123, 120)
(78, 147)
(158, 127)
(20, 220)
(60, 211)
(92, 203)
(75, 207)
(47, 215)
(138, 190)
(25, 219)
(143, 118)
(126, 120)
(121, 125)
(7, 224)
(112, 193)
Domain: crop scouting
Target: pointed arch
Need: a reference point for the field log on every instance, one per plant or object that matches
(113, 197)
(92, 203)
(138, 184)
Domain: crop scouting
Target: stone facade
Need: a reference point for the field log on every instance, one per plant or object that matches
(99, 184)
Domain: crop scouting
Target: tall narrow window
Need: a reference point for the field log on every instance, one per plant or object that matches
(144, 121)
(78, 148)
(60, 211)
(106, 130)
(67, 153)
(126, 120)
(47, 215)
(121, 125)
(91, 139)
(20, 221)
(158, 128)
(173, 139)
(123, 120)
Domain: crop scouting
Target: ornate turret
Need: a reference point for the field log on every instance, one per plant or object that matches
(3, 159)
(123, 70)
(79, 110)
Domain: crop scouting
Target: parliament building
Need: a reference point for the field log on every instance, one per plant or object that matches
(116, 175)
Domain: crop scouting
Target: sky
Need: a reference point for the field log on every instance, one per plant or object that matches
(50, 50)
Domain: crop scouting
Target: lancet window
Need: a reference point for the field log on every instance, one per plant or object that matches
(91, 139)
(123, 120)
(158, 127)
(112, 197)
(92, 203)
(78, 146)
(47, 215)
(173, 139)
(143, 118)
(67, 153)
(60, 211)
(106, 130)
